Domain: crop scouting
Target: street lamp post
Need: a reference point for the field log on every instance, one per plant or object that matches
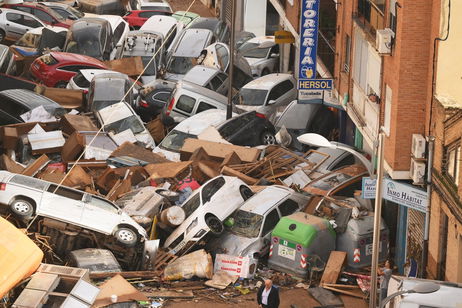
(319, 141)
(421, 288)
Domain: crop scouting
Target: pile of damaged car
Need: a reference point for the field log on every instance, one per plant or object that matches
(137, 171)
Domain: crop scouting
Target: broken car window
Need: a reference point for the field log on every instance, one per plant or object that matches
(180, 65)
(246, 224)
(270, 222)
(288, 207)
(132, 123)
(65, 192)
(175, 140)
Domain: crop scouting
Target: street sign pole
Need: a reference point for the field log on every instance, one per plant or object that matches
(377, 218)
(229, 110)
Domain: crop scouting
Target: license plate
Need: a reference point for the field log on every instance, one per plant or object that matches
(369, 248)
(286, 252)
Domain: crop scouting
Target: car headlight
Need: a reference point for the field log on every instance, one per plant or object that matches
(192, 225)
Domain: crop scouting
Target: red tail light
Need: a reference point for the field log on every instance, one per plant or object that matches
(170, 106)
(2, 186)
(85, 91)
(260, 115)
(143, 104)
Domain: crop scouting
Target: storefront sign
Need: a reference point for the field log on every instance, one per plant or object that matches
(403, 194)
(283, 37)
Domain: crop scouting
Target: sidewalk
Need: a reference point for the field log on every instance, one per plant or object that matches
(198, 7)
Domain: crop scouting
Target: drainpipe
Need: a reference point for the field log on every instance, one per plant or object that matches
(431, 149)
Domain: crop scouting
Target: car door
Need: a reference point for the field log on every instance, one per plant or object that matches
(17, 24)
(100, 214)
(62, 203)
(271, 220)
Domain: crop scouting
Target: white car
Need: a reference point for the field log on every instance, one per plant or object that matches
(155, 5)
(82, 80)
(169, 27)
(123, 124)
(27, 196)
(189, 128)
(14, 24)
(206, 209)
(250, 234)
(120, 29)
(268, 94)
(262, 53)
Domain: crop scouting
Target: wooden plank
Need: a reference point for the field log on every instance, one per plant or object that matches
(132, 66)
(358, 293)
(336, 285)
(170, 294)
(134, 274)
(333, 267)
(6, 163)
(247, 179)
(36, 166)
(167, 170)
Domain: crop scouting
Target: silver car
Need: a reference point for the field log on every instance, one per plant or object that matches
(262, 53)
(252, 224)
(14, 24)
(27, 196)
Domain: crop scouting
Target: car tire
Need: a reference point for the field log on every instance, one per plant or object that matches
(215, 225)
(267, 138)
(171, 196)
(126, 237)
(265, 71)
(61, 85)
(2, 36)
(22, 208)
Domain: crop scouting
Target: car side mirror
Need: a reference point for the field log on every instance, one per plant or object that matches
(271, 102)
(274, 55)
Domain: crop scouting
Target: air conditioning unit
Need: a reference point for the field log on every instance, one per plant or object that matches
(384, 40)
(65, 271)
(418, 146)
(417, 172)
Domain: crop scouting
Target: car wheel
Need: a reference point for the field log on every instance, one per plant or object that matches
(267, 138)
(22, 208)
(61, 84)
(2, 36)
(171, 196)
(126, 237)
(215, 225)
(265, 72)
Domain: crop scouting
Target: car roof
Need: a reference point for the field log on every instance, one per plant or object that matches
(114, 20)
(90, 73)
(192, 87)
(55, 4)
(161, 23)
(6, 10)
(200, 74)
(197, 123)
(28, 98)
(204, 23)
(73, 57)
(192, 42)
(261, 39)
(267, 82)
(89, 20)
(115, 112)
(263, 201)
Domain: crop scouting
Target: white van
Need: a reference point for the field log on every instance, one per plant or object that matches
(189, 99)
(167, 26)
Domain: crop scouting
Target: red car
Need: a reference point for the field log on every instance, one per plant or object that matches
(55, 69)
(136, 19)
(44, 13)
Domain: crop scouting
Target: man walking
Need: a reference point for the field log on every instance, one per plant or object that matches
(268, 295)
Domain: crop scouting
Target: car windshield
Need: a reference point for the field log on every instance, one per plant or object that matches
(251, 50)
(246, 224)
(180, 65)
(29, 40)
(110, 90)
(86, 42)
(252, 97)
(175, 140)
(131, 122)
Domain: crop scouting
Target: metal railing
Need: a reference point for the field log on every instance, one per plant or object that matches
(326, 51)
(370, 16)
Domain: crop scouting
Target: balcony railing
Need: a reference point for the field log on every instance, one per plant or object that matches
(326, 51)
(370, 16)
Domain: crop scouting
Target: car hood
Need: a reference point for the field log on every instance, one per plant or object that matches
(255, 61)
(231, 244)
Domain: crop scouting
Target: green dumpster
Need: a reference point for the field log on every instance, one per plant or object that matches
(296, 239)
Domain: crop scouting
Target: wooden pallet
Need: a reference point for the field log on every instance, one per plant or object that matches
(163, 258)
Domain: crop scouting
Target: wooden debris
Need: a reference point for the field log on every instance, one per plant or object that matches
(333, 267)
(170, 294)
(163, 258)
(36, 166)
(127, 275)
(247, 179)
